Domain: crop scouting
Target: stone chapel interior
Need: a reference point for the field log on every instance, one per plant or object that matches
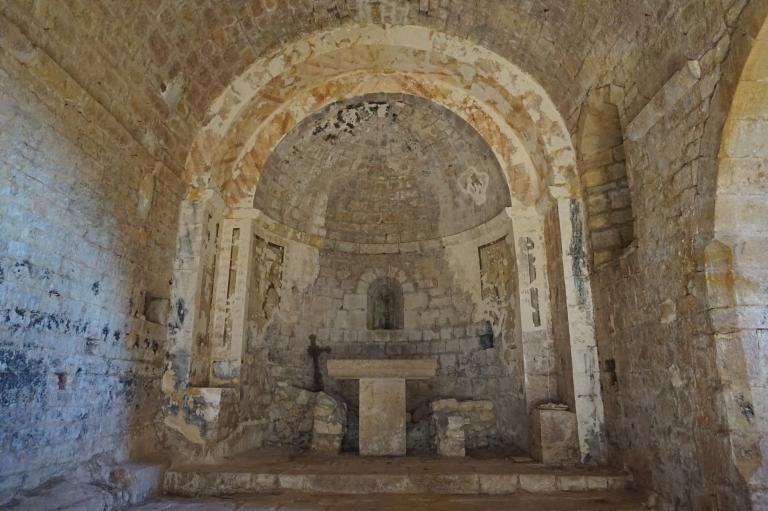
(306, 252)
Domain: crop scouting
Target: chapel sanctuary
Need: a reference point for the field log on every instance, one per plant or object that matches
(384, 255)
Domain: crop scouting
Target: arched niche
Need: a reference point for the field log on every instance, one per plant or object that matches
(603, 176)
(385, 305)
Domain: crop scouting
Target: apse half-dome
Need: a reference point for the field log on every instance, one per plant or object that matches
(382, 168)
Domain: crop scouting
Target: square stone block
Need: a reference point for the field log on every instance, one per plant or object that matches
(555, 437)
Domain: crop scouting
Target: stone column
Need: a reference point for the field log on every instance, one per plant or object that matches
(231, 301)
(536, 333)
(587, 392)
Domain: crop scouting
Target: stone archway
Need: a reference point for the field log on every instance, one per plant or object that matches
(736, 269)
(507, 108)
(505, 105)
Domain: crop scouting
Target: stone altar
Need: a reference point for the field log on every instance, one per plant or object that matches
(382, 399)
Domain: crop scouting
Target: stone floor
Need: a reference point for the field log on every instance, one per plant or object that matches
(585, 501)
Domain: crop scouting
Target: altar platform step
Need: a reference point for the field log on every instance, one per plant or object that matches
(617, 500)
(269, 471)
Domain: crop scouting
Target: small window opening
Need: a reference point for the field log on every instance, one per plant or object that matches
(62, 380)
(385, 305)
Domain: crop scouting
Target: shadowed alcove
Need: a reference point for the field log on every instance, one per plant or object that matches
(385, 305)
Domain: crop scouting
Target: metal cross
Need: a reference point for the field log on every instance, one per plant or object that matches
(315, 351)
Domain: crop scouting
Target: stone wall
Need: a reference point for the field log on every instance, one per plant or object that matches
(86, 223)
(465, 321)
(737, 268)
(665, 401)
(604, 176)
(95, 93)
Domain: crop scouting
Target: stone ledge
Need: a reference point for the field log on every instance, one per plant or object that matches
(65, 496)
(529, 478)
(130, 484)
(407, 369)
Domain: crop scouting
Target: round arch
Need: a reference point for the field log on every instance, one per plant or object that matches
(736, 267)
(506, 106)
(510, 111)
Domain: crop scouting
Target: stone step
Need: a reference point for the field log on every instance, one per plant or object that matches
(136, 482)
(487, 480)
(617, 500)
(64, 496)
(129, 484)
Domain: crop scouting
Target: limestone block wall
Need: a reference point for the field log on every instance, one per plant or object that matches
(132, 84)
(665, 403)
(86, 243)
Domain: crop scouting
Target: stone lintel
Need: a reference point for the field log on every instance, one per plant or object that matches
(410, 369)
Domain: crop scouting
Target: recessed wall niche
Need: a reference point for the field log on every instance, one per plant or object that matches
(385, 304)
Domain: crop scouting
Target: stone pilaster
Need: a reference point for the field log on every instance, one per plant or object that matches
(231, 301)
(535, 326)
(588, 400)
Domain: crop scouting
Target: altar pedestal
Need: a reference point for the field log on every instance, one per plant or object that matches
(382, 399)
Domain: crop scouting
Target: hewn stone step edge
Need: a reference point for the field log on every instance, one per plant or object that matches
(234, 483)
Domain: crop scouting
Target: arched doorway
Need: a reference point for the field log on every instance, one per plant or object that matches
(737, 270)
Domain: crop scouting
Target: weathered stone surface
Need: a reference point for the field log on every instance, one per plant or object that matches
(382, 417)
(449, 434)
(330, 421)
(594, 501)
(137, 482)
(268, 471)
(125, 485)
(67, 496)
(479, 421)
(209, 414)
